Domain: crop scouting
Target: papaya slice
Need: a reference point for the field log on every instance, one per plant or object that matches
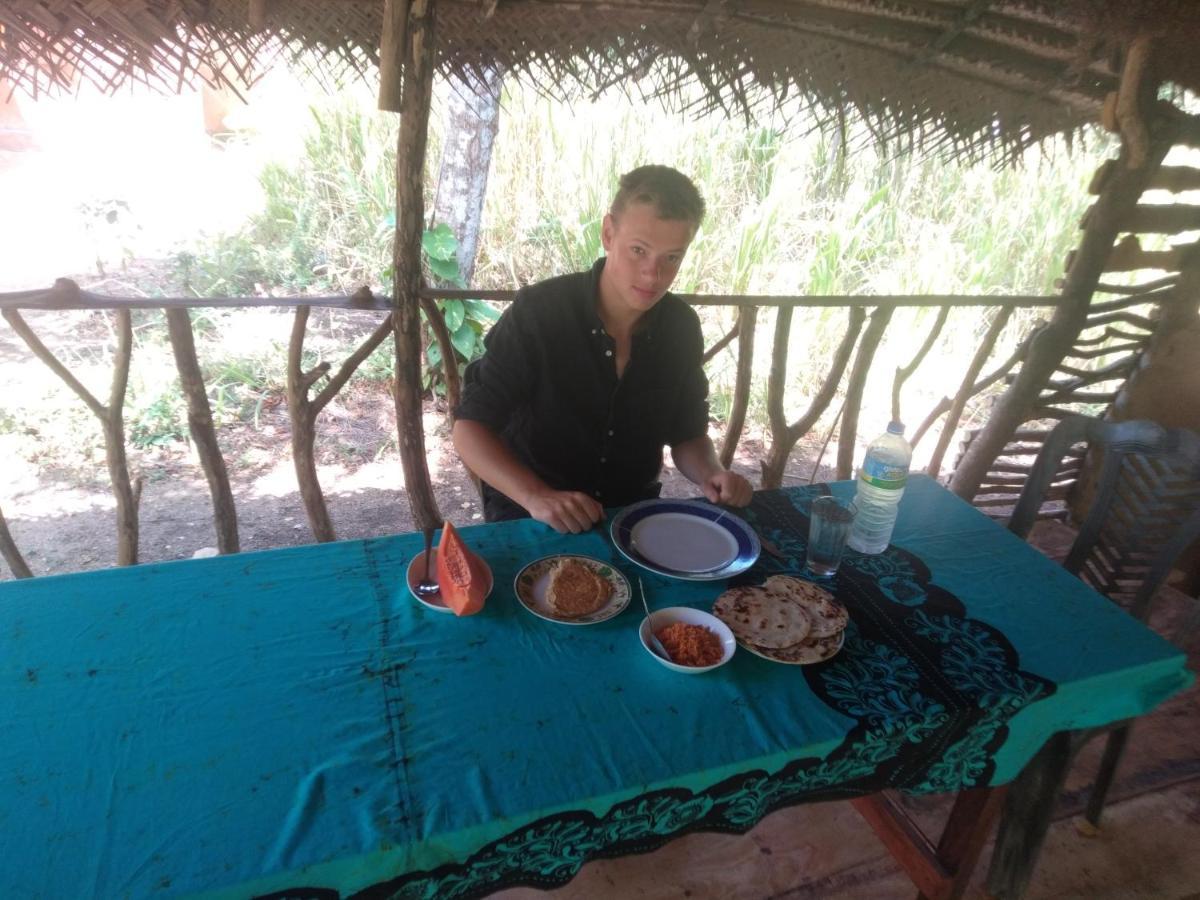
(461, 575)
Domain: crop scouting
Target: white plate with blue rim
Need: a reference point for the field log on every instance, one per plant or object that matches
(689, 539)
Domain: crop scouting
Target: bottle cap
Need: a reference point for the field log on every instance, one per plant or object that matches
(895, 427)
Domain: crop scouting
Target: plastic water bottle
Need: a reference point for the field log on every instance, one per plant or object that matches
(881, 482)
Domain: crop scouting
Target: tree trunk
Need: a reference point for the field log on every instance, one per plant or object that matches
(200, 425)
(472, 121)
(406, 256)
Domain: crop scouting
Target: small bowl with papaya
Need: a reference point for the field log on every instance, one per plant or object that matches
(464, 578)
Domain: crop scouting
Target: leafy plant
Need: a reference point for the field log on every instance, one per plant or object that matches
(465, 320)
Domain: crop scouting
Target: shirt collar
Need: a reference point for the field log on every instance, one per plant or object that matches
(646, 325)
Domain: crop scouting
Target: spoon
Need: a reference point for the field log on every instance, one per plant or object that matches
(655, 643)
(427, 587)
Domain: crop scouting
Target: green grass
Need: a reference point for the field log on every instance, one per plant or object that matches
(789, 213)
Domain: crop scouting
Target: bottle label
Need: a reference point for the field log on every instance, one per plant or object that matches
(881, 475)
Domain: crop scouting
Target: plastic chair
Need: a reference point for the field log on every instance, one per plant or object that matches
(1145, 512)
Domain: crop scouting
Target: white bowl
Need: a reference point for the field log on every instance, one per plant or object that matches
(689, 616)
(416, 571)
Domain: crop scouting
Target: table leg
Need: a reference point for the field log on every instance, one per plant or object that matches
(1026, 818)
(942, 872)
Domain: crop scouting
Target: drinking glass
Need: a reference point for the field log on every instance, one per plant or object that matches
(828, 526)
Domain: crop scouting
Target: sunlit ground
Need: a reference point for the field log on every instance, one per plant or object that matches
(90, 153)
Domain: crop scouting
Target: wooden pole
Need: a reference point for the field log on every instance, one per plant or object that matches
(304, 411)
(12, 556)
(406, 257)
(854, 389)
(200, 425)
(903, 373)
(783, 435)
(126, 491)
(966, 390)
(391, 55)
(746, 321)
(304, 431)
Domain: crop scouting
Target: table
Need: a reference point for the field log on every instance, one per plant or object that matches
(292, 721)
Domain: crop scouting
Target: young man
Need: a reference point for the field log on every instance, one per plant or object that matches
(587, 376)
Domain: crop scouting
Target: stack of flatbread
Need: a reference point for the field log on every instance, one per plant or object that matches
(785, 619)
(576, 590)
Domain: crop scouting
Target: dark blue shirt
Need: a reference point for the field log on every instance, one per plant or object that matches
(548, 385)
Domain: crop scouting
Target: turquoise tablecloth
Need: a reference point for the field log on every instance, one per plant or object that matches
(266, 721)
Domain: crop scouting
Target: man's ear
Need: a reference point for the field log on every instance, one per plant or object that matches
(607, 229)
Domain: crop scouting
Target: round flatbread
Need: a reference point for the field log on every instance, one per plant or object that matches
(756, 616)
(576, 590)
(811, 650)
(828, 616)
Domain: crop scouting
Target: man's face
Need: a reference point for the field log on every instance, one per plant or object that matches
(644, 255)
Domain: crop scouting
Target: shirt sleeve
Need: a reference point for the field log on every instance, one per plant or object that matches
(500, 381)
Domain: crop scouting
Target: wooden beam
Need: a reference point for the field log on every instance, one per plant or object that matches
(1176, 179)
(12, 556)
(391, 54)
(1163, 219)
(854, 390)
(419, 53)
(746, 322)
(966, 390)
(365, 299)
(257, 13)
(202, 430)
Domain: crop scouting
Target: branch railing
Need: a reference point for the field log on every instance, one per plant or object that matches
(868, 319)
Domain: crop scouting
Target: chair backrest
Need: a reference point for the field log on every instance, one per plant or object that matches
(1146, 508)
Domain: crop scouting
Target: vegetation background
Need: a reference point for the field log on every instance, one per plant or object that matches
(298, 198)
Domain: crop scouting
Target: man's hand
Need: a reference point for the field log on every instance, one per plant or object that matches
(729, 488)
(565, 510)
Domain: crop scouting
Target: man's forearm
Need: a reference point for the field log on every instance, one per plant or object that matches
(697, 459)
(489, 457)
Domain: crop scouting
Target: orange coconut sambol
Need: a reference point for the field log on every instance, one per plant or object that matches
(691, 645)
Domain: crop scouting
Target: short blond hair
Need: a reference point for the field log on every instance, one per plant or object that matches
(669, 191)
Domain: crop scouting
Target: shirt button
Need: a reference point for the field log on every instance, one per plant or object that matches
(604, 459)
(610, 434)
(608, 353)
(593, 331)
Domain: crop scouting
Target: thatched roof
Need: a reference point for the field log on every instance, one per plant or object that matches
(969, 73)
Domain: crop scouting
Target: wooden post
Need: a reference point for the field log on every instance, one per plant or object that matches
(304, 433)
(304, 411)
(126, 491)
(391, 55)
(966, 390)
(12, 556)
(746, 320)
(903, 373)
(200, 425)
(783, 435)
(854, 389)
(406, 257)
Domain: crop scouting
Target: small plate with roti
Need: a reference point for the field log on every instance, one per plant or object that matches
(572, 590)
(786, 619)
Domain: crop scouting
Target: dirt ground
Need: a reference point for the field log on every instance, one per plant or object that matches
(55, 495)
